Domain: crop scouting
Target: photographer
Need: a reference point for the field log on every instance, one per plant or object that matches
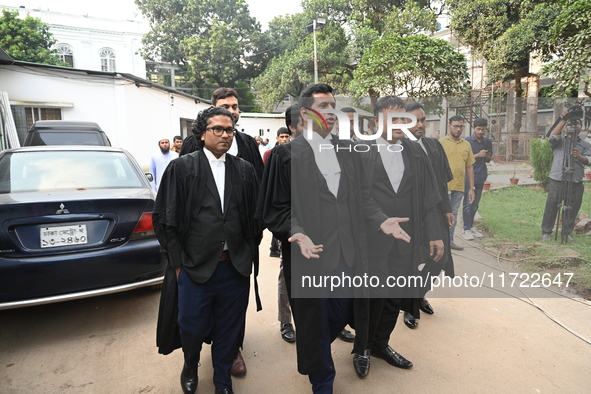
(581, 155)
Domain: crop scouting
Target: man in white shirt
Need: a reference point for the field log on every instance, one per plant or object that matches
(315, 197)
(160, 160)
(204, 219)
(403, 186)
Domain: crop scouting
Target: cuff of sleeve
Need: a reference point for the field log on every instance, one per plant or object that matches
(175, 260)
(382, 217)
(297, 229)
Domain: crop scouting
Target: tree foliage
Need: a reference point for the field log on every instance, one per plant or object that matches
(570, 38)
(541, 157)
(411, 66)
(352, 27)
(289, 73)
(28, 39)
(217, 41)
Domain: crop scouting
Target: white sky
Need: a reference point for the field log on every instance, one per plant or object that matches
(263, 10)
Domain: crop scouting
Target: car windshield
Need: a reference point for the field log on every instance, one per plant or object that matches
(66, 170)
(67, 138)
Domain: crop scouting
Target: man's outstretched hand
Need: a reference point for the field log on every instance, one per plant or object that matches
(391, 227)
(307, 247)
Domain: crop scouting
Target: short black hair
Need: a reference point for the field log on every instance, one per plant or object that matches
(349, 110)
(222, 93)
(307, 99)
(283, 130)
(199, 124)
(387, 102)
(456, 118)
(292, 116)
(177, 137)
(480, 122)
(414, 106)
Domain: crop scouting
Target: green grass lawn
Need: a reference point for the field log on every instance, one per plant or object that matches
(513, 216)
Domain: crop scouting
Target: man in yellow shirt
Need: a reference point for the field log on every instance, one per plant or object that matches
(460, 157)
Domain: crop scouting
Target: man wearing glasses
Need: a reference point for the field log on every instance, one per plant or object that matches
(204, 218)
(460, 157)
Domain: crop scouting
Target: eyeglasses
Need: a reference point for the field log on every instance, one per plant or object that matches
(218, 131)
(458, 127)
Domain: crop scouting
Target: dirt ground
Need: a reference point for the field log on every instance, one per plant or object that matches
(470, 345)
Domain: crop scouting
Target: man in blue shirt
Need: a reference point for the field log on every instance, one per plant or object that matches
(482, 149)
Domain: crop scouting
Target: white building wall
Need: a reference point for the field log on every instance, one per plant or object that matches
(88, 35)
(133, 117)
(259, 124)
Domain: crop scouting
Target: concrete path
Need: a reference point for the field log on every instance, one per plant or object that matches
(498, 344)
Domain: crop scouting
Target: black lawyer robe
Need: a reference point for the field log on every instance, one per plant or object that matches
(420, 205)
(289, 204)
(443, 175)
(183, 186)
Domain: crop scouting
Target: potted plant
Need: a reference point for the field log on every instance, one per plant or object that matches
(514, 178)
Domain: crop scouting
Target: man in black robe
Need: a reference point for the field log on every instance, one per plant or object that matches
(245, 147)
(321, 205)
(443, 175)
(204, 220)
(402, 184)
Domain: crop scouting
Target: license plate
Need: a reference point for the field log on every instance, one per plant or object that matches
(52, 237)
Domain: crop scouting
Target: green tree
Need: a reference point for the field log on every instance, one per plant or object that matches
(411, 66)
(28, 39)
(570, 38)
(289, 73)
(505, 33)
(352, 28)
(217, 41)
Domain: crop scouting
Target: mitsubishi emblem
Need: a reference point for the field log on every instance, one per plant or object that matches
(62, 209)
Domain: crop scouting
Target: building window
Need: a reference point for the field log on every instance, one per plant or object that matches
(66, 54)
(107, 56)
(33, 114)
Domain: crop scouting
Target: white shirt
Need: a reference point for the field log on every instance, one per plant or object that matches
(423, 145)
(218, 169)
(326, 160)
(158, 164)
(393, 162)
(234, 147)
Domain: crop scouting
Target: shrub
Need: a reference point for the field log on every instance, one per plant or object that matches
(541, 160)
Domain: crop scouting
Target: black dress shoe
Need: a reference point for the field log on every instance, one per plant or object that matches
(189, 379)
(426, 307)
(224, 391)
(361, 363)
(346, 335)
(391, 357)
(287, 333)
(410, 320)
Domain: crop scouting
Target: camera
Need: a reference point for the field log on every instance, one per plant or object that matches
(575, 112)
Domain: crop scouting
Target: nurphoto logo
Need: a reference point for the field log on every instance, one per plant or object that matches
(385, 121)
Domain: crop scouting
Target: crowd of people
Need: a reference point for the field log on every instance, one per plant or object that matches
(336, 208)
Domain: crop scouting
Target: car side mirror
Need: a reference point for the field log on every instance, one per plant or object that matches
(149, 176)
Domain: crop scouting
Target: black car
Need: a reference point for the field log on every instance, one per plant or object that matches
(75, 222)
(66, 132)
